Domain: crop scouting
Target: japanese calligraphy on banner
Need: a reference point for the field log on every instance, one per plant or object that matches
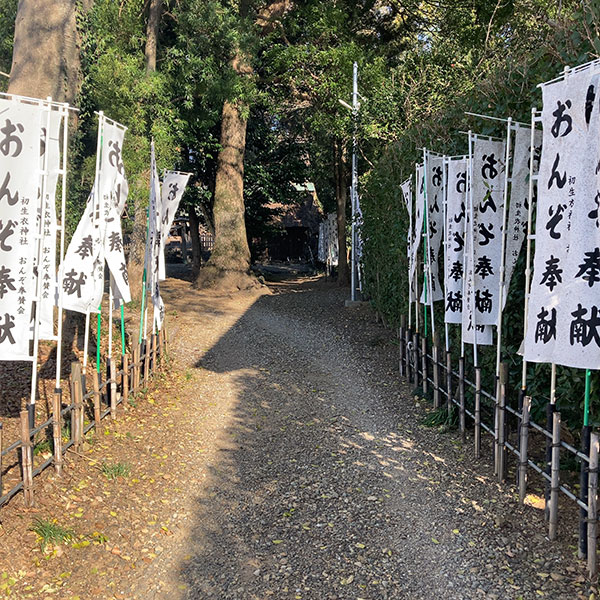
(564, 307)
(50, 160)
(471, 331)
(434, 197)
(406, 189)
(174, 184)
(82, 271)
(455, 239)
(487, 189)
(417, 223)
(519, 192)
(113, 190)
(20, 126)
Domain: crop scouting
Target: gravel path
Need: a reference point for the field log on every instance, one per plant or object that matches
(320, 481)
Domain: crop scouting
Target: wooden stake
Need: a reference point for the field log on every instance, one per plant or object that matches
(136, 368)
(436, 370)
(154, 342)
(583, 490)
(416, 363)
(524, 439)
(461, 398)
(125, 379)
(555, 476)
(96, 387)
(592, 530)
(477, 412)
(500, 449)
(26, 459)
(57, 430)
(76, 429)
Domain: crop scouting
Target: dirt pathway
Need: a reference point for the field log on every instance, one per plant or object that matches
(311, 477)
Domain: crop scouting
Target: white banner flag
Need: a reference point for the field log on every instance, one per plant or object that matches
(114, 189)
(519, 192)
(418, 224)
(406, 189)
(488, 202)
(332, 240)
(174, 184)
(434, 197)
(50, 158)
(20, 127)
(564, 307)
(455, 239)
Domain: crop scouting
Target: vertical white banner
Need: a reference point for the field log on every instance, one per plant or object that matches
(332, 243)
(455, 239)
(564, 307)
(48, 270)
(174, 184)
(20, 126)
(417, 223)
(114, 189)
(519, 192)
(488, 204)
(434, 198)
(407, 191)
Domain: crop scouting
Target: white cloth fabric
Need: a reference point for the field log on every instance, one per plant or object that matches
(487, 187)
(563, 321)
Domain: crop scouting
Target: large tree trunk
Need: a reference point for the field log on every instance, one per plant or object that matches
(46, 59)
(152, 34)
(229, 263)
(341, 195)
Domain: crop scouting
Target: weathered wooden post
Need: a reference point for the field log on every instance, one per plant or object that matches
(146, 346)
(425, 383)
(416, 363)
(449, 383)
(583, 490)
(136, 368)
(555, 476)
(524, 438)
(408, 349)
(125, 379)
(56, 431)
(592, 529)
(77, 410)
(435, 353)
(26, 459)
(1, 460)
(113, 388)
(154, 342)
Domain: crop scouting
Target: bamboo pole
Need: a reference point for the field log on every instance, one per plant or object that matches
(477, 412)
(461, 398)
(436, 370)
(592, 530)
(154, 343)
(125, 379)
(416, 363)
(500, 449)
(26, 459)
(136, 368)
(555, 476)
(146, 360)
(550, 410)
(57, 430)
(113, 388)
(96, 387)
(524, 438)
(408, 348)
(425, 384)
(449, 382)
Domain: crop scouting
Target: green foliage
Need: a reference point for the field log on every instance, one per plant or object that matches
(112, 471)
(50, 532)
(465, 60)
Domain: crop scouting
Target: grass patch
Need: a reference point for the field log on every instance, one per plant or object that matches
(440, 418)
(50, 532)
(112, 471)
(42, 447)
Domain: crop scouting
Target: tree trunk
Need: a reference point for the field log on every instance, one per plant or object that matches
(341, 194)
(46, 59)
(152, 34)
(229, 263)
(195, 235)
